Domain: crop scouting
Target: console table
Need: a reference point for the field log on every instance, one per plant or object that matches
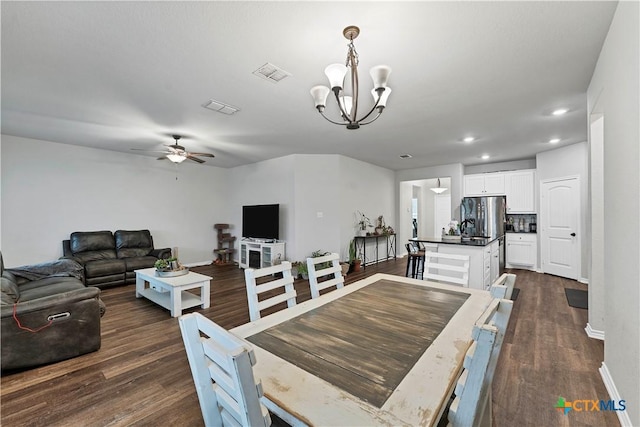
(361, 247)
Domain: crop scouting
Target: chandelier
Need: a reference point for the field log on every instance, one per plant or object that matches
(438, 189)
(348, 103)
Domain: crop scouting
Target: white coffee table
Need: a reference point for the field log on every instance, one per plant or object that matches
(171, 292)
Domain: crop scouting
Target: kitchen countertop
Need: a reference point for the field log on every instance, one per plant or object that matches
(475, 241)
(520, 232)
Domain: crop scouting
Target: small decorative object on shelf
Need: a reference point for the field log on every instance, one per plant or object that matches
(363, 222)
(453, 232)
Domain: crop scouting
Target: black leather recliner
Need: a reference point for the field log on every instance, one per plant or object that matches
(109, 259)
(47, 314)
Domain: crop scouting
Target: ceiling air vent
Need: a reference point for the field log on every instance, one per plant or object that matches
(220, 107)
(272, 73)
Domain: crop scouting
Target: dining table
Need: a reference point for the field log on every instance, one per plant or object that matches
(383, 351)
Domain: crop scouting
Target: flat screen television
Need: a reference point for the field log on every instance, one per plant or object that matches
(261, 221)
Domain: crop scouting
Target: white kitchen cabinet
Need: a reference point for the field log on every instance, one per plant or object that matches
(522, 250)
(495, 264)
(484, 184)
(520, 191)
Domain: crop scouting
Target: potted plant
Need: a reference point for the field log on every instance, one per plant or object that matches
(353, 259)
(303, 270)
(161, 265)
(362, 223)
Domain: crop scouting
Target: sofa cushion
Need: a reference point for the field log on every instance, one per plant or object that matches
(47, 287)
(104, 267)
(92, 245)
(138, 263)
(133, 243)
(9, 291)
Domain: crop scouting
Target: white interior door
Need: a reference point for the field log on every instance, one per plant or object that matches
(559, 219)
(442, 212)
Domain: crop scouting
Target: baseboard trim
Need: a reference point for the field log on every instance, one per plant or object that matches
(198, 264)
(623, 416)
(594, 333)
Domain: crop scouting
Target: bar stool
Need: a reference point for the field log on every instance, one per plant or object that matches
(415, 261)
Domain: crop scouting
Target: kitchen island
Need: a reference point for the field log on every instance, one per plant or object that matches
(484, 256)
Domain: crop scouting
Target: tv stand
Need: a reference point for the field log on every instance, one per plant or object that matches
(257, 253)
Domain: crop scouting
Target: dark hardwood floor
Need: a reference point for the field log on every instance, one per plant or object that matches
(141, 376)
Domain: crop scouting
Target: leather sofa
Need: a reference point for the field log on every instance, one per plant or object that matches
(110, 259)
(47, 314)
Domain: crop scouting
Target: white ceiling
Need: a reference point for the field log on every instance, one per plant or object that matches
(122, 75)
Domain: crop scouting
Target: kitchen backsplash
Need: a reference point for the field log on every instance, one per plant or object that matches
(522, 223)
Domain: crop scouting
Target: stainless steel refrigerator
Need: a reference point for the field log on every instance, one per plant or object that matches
(485, 217)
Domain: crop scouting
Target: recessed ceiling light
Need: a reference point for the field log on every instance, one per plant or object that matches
(484, 156)
(405, 156)
(554, 141)
(469, 139)
(560, 111)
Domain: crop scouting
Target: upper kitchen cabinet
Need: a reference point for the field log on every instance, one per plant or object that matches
(520, 191)
(484, 184)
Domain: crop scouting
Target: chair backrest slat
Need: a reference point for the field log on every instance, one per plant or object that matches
(254, 289)
(472, 404)
(316, 273)
(221, 365)
(503, 286)
(449, 268)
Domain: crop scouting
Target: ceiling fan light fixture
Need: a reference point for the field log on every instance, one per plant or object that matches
(176, 158)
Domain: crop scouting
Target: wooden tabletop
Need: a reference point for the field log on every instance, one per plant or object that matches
(382, 351)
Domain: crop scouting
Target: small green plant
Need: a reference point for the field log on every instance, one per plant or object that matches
(319, 253)
(302, 268)
(161, 264)
(352, 251)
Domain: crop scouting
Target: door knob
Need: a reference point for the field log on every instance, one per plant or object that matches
(573, 234)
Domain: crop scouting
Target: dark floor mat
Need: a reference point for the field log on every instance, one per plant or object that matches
(577, 298)
(514, 294)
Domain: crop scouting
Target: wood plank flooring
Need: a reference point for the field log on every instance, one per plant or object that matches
(141, 376)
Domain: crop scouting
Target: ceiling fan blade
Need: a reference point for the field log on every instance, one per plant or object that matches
(202, 154)
(195, 159)
(175, 147)
(162, 158)
(150, 151)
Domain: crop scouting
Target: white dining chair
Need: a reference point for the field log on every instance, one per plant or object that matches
(222, 369)
(448, 268)
(283, 284)
(503, 286)
(471, 406)
(328, 267)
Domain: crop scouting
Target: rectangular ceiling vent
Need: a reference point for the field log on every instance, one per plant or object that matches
(272, 73)
(220, 107)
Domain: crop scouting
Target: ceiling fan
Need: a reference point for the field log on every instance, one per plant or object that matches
(177, 153)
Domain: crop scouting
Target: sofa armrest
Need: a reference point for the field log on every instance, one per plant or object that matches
(54, 302)
(161, 253)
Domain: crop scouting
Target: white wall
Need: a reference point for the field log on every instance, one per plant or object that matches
(264, 183)
(453, 171)
(50, 190)
(366, 188)
(571, 160)
(614, 93)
